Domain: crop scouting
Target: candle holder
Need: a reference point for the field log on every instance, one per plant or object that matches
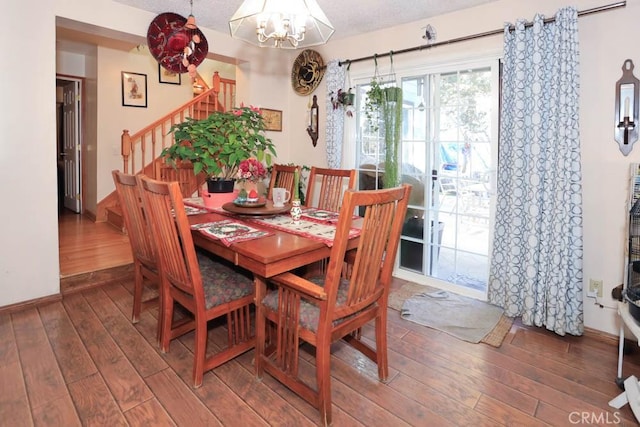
(296, 211)
(626, 112)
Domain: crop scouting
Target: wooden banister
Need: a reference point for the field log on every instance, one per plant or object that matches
(137, 156)
(140, 157)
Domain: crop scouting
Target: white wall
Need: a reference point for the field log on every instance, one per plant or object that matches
(90, 132)
(113, 117)
(28, 219)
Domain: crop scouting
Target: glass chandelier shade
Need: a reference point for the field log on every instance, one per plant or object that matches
(286, 24)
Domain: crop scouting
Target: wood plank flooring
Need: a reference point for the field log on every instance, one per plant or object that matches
(86, 246)
(81, 362)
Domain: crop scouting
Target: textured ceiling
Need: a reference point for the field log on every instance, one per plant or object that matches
(348, 17)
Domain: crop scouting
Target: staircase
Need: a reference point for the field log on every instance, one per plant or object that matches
(141, 150)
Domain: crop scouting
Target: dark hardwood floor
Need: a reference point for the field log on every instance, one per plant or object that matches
(81, 362)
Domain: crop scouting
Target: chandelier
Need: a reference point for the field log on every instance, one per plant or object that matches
(287, 24)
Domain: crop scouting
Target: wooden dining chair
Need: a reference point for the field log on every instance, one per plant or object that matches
(207, 288)
(282, 176)
(181, 172)
(321, 310)
(142, 247)
(333, 184)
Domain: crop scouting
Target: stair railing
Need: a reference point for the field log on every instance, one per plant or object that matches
(139, 157)
(141, 151)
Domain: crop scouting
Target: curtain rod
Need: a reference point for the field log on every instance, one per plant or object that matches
(477, 36)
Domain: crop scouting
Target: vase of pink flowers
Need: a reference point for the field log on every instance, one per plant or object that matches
(250, 172)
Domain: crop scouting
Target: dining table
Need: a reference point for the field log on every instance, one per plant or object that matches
(279, 250)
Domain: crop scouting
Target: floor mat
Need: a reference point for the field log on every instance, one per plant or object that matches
(493, 336)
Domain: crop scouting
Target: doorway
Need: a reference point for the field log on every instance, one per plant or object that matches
(69, 141)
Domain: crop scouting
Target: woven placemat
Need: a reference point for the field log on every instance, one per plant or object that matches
(493, 338)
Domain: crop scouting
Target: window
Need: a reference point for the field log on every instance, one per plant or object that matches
(448, 154)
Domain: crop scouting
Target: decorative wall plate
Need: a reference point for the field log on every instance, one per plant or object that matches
(167, 38)
(307, 72)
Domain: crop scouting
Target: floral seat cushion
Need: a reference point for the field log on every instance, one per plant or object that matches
(222, 282)
(310, 313)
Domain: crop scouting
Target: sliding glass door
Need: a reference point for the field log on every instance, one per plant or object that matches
(448, 154)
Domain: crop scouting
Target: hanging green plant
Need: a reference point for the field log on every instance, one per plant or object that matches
(392, 117)
(375, 100)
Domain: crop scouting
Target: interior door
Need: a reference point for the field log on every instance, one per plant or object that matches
(70, 153)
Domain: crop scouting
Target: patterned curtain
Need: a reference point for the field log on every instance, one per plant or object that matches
(536, 269)
(334, 77)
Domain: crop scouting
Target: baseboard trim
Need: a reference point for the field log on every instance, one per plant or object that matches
(602, 336)
(91, 215)
(95, 279)
(34, 303)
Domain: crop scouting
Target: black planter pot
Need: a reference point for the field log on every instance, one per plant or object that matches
(411, 252)
(220, 185)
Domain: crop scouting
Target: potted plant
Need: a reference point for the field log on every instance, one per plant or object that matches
(343, 99)
(375, 99)
(216, 145)
(385, 103)
(392, 117)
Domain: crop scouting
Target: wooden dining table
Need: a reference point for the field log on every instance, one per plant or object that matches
(267, 256)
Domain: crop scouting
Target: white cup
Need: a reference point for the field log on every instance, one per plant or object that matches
(280, 197)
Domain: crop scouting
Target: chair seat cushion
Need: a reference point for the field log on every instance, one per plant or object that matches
(222, 281)
(310, 313)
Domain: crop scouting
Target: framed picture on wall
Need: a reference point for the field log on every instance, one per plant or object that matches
(272, 119)
(134, 89)
(168, 77)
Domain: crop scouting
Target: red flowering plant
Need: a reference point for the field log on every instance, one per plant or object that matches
(218, 144)
(251, 170)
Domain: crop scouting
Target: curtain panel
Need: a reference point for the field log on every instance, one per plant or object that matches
(536, 267)
(334, 77)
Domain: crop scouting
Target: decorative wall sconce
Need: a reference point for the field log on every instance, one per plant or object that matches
(312, 129)
(626, 120)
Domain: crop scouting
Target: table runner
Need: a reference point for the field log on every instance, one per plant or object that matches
(319, 215)
(198, 203)
(315, 224)
(324, 232)
(191, 210)
(229, 231)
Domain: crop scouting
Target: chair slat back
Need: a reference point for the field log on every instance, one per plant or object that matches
(177, 258)
(134, 218)
(333, 184)
(384, 211)
(282, 176)
(182, 173)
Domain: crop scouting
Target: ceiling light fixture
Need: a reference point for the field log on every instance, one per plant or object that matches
(191, 20)
(286, 24)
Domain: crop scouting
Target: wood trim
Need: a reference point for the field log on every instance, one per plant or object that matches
(82, 282)
(34, 303)
(601, 336)
(90, 215)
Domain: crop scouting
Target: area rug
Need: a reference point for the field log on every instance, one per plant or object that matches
(496, 324)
